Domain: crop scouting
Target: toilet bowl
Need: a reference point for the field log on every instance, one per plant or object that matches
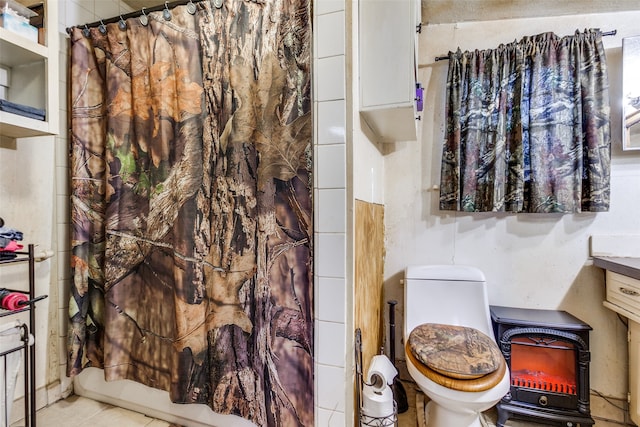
(449, 344)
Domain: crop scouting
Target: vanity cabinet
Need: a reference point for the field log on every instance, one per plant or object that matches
(622, 280)
(623, 294)
(388, 45)
(33, 77)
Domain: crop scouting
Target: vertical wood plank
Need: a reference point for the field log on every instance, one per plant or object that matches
(369, 278)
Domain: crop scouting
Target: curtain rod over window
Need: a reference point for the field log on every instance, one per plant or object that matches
(166, 6)
(606, 33)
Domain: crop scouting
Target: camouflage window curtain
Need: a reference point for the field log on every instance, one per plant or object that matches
(527, 127)
(191, 206)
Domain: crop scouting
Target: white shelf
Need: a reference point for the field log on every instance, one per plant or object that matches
(16, 50)
(33, 78)
(17, 126)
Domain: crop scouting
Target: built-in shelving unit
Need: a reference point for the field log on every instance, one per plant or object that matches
(33, 74)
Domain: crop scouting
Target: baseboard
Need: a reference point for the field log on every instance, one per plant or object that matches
(17, 410)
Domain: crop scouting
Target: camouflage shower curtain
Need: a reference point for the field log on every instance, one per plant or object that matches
(528, 127)
(191, 206)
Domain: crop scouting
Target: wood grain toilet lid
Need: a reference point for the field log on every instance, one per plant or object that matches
(475, 385)
(455, 351)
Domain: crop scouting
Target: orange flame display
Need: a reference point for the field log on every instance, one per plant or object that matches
(543, 365)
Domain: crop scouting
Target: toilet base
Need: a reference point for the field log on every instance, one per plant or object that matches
(439, 416)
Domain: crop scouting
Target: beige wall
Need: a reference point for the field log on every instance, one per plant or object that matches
(26, 197)
(531, 261)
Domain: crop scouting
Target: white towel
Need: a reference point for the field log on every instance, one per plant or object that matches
(10, 338)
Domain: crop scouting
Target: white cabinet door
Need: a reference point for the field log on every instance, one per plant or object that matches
(387, 47)
(634, 371)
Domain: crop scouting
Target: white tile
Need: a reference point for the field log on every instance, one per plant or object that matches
(331, 122)
(61, 157)
(63, 234)
(62, 210)
(62, 165)
(328, 6)
(64, 291)
(63, 328)
(330, 35)
(330, 78)
(331, 387)
(77, 15)
(331, 211)
(331, 299)
(331, 345)
(327, 418)
(66, 383)
(331, 163)
(316, 215)
(63, 119)
(87, 4)
(63, 43)
(106, 9)
(62, 16)
(63, 90)
(330, 254)
(62, 151)
(62, 26)
(62, 180)
(125, 8)
(63, 73)
(62, 343)
(316, 346)
(63, 261)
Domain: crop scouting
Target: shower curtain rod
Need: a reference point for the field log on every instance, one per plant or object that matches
(606, 33)
(167, 5)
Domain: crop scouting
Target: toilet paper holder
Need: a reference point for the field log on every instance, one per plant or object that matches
(366, 419)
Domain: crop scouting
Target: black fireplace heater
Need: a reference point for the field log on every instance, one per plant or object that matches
(547, 352)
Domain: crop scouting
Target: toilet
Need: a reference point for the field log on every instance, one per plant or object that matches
(450, 348)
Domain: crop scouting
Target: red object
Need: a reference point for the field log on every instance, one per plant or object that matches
(12, 301)
(12, 247)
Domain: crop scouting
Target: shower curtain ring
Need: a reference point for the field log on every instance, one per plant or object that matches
(191, 7)
(102, 27)
(217, 3)
(86, 31)
(166, 14)
(122, 24)
(144, 19)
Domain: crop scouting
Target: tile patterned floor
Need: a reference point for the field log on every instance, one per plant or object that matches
(77, 411)
(410, 418)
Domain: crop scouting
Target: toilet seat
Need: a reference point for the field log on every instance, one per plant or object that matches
(456, 357)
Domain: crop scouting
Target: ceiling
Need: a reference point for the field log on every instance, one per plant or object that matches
(449, 11)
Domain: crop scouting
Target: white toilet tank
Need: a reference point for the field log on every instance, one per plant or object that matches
(447, 294)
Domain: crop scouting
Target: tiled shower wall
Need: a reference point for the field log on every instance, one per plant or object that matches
(334, 392)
